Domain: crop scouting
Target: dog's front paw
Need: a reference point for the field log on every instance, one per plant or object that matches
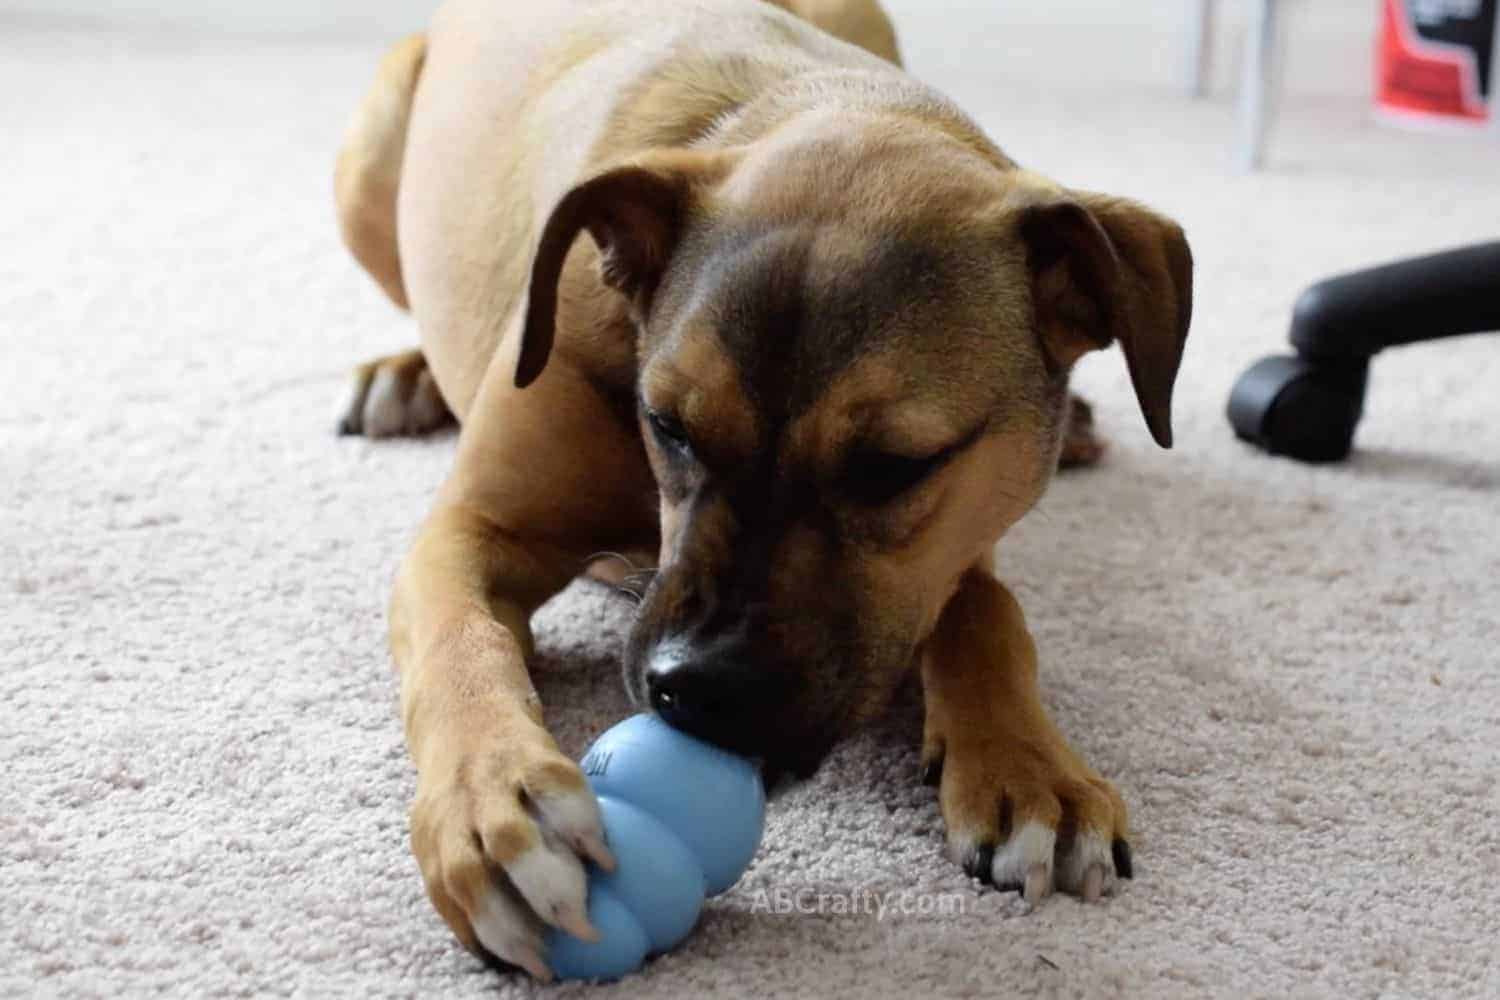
(1028, 815)
(501, 833)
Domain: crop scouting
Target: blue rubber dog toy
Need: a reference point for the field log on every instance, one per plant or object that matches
(683, 819)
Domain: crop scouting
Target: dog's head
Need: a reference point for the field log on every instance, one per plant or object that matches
(853, 359)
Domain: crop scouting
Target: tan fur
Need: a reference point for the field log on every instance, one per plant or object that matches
(369, 166)
(862, 24)
(584, 193)
(702, 385)
(1001, 757)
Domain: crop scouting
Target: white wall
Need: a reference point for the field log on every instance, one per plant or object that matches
(291, 16)
(1328, 45)
(320, 17)
(1328, 50)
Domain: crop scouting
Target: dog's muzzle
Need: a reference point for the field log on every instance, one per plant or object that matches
(715, 694)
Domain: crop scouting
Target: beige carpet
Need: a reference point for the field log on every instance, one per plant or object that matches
(1293, 673)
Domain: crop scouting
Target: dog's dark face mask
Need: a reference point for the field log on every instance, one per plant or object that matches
(834, 440)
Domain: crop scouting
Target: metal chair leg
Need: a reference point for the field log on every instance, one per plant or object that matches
(1495, 81)
(1256, 85)
(1197, 60)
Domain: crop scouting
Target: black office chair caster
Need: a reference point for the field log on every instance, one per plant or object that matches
(1299, 407)
(1308, 406)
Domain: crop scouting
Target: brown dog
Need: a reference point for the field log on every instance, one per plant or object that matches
(814, 353)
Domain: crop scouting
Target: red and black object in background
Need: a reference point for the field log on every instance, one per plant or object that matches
(1435, 58)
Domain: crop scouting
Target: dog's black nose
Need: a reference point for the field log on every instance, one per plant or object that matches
(707, 699)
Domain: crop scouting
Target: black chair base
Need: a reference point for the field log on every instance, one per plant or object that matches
(1307, 406)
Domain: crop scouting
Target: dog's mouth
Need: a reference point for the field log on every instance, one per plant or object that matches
(789, 761)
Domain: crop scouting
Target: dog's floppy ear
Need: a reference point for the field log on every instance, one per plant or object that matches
(635, 213)
(1107, 269)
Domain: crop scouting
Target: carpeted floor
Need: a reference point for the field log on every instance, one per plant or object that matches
(1292, 673)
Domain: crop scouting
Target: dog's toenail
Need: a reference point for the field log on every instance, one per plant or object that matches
(979, 861)
(1093, 883)
(1121, 851)
(1038, 884)
(932, 773)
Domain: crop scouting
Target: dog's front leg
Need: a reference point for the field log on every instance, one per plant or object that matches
(501, 816)
(503, 820)
(1023, 810)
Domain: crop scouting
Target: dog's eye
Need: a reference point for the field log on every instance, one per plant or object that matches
(875, 478)
(668, 430)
